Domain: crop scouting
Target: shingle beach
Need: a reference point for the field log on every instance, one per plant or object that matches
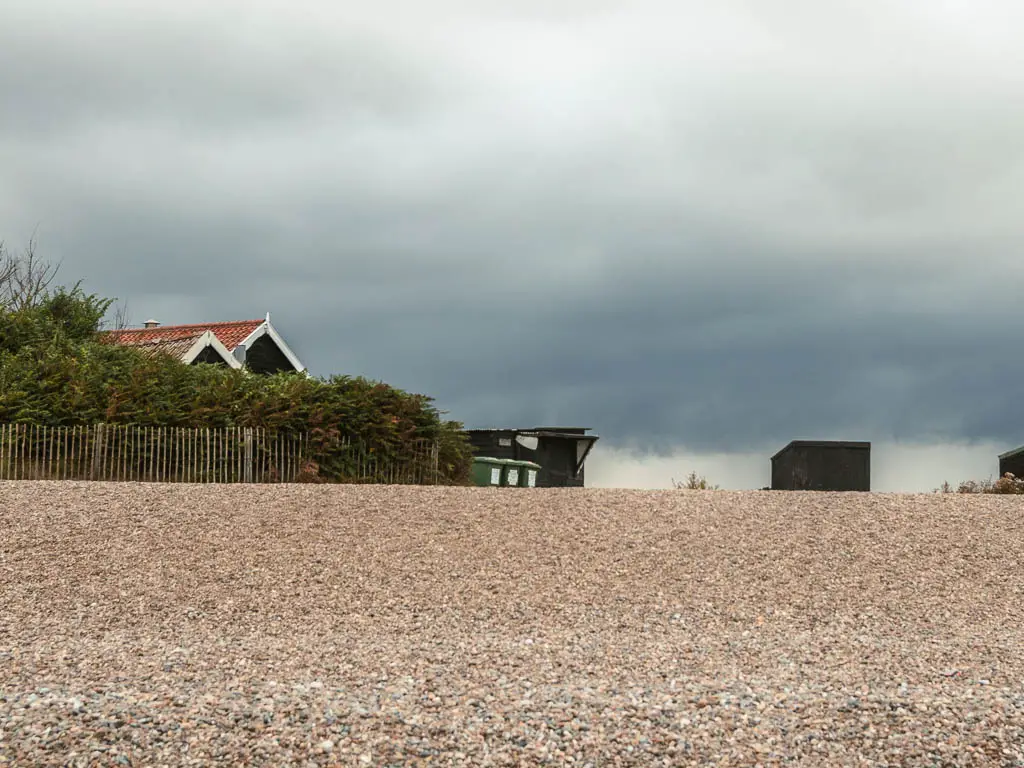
(150, 625)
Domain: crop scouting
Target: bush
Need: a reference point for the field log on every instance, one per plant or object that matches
(56, 370)
(1007, 484)
(694, 482)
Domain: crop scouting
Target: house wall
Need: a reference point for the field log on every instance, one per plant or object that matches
(489, 444)
(822, 468)
(264, 357)
(556, 456)
(1014, 464)
(209, 355)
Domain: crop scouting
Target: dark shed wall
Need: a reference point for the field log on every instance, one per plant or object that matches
(556, 456)
(1014, 464)
(839, 467)
(489, 444)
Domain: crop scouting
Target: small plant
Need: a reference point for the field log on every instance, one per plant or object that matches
(694, 482)
(310, 473)
(1007, 484)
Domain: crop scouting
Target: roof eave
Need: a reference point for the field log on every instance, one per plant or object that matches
(591, 439)
(209, 339)
(265, 328)
(857, 444)
(1011, 453)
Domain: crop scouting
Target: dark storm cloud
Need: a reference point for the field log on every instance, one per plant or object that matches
(200, 71)
(714, 228)
(796, 363)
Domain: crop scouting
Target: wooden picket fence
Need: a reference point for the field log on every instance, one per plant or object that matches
(118, 452)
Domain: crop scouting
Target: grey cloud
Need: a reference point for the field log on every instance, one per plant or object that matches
(201, 74)
(712, 229)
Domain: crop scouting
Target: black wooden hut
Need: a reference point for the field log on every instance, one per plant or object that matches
(560, 451)
(1012, 461)
(822, 465)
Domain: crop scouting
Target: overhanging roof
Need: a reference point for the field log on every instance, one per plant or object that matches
(230, 333)
(553, 432)
(266, 329)
(861, 445)
(209, 339)
(574, 431)
(184, 347)
(1014, 452)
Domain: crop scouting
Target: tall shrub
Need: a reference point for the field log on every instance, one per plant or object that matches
(56, 370)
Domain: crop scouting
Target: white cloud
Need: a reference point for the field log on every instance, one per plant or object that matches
(895, 467)
(609, 467)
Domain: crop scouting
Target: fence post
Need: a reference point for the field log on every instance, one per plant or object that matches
(247, 466)
(97, 450)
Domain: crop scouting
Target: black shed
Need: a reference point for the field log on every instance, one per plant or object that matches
(1012, 461)
(560, 451)
(822, 465)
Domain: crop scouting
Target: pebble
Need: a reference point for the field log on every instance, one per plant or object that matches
(187, 625)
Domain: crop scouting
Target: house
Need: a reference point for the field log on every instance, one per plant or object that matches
(1012, 461)
(822, 465)
(253, 344)
(560, 451)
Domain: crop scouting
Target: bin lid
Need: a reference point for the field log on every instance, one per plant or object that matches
(488, 460)
(530, 464)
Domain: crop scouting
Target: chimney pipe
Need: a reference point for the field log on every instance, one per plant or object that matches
(151, 323)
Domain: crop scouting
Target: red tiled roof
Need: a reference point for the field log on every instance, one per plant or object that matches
(230, 334)
(176, 347)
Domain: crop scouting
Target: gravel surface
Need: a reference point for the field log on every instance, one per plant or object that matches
(352, 625)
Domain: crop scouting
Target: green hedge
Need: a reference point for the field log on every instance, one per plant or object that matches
(55, 369)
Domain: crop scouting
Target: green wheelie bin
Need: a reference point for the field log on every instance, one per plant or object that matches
(528, 474)
(487, 471)
(510, 473)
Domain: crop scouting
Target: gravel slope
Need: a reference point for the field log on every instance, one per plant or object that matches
(324, 625)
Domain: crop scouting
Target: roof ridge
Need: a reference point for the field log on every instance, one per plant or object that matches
(231, 322)
(158, 328)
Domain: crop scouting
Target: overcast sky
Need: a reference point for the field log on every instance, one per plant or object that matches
(703, 229)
